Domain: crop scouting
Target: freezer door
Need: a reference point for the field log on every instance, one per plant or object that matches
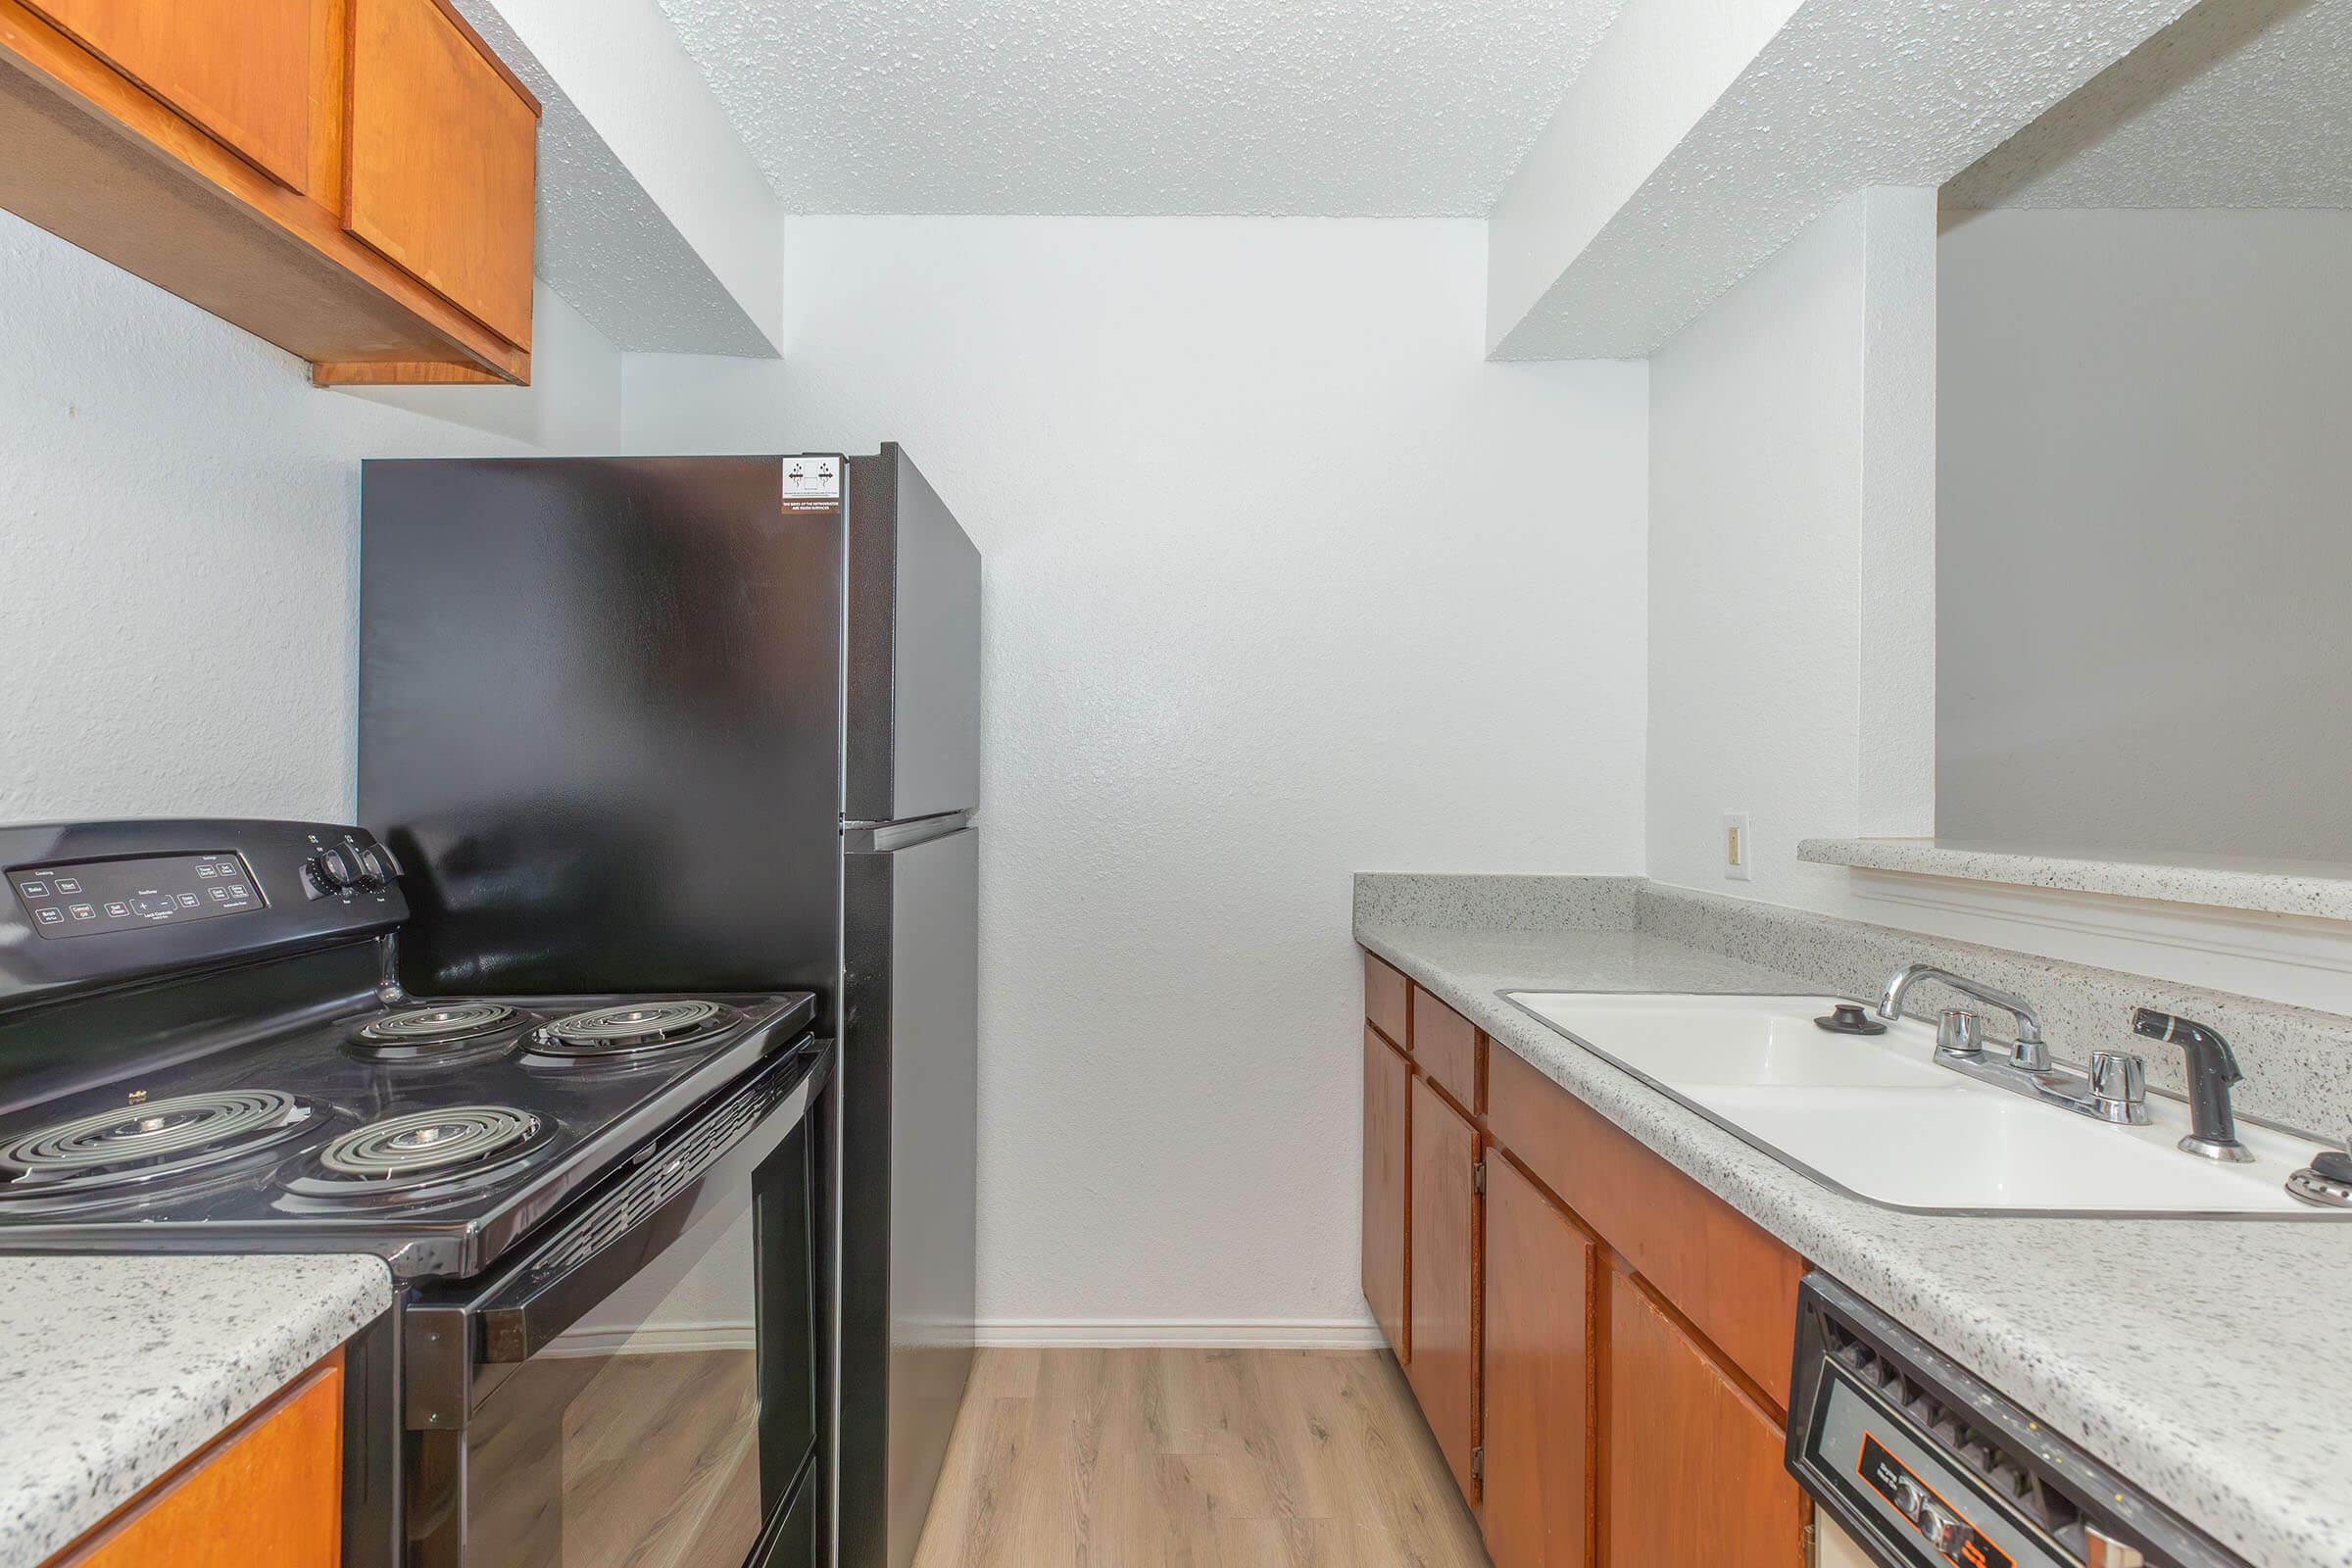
(914, 637)
(600, 722)
(910, 1109)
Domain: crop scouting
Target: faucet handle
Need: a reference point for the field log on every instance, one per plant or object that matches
(1959, 1033)
(2118, 1086)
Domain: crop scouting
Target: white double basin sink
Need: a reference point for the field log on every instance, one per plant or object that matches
(1875, 1116)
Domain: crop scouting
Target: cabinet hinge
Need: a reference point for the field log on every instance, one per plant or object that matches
(1478, 1462)
(1810, 1546)
(1477, 1177)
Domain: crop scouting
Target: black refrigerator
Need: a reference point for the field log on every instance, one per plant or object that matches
(685, 724)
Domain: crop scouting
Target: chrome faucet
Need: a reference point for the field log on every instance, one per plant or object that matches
(2115, 1090)
(1958, 1036)
(2212, 1070)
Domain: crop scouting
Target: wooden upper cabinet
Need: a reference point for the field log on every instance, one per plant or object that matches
(1444, 1282)
(255, 74)
(1386, 1258)
(1694, 1465)
(443, 149)
(271, 1491)
(1538, 1334)
(211, 147)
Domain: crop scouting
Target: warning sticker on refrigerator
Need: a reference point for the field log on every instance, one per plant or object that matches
(811, 482)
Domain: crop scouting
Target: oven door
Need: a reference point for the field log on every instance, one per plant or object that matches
(640, 1391)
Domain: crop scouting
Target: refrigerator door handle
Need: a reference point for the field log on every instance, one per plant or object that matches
(883, 838)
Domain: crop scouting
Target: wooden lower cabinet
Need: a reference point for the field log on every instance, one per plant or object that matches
(1443, 1223)
(1599, 1345)
(1387, 1240)
(1694, 1465)
(269, 1494)
(1538, 1505)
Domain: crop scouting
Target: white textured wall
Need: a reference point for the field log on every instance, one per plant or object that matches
(2143, 460)
(1283, 582)
(1791, 541)
(178, 558)
(1793, 605)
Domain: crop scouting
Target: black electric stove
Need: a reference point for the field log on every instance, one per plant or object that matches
(203, 1049)
(434, 1134)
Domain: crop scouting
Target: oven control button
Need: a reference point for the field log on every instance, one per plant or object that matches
(332, 868)
(1909, 1496)
(375, 867)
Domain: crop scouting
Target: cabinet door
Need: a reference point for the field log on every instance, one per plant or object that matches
(1694, 1471)
(1387, 1254)
(1538, 1510)
(444, 160)
(1443, 1289)
(242, 70)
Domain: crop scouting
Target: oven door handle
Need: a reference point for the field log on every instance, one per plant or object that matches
(619, 1233)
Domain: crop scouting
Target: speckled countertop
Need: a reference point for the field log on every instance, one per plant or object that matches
(2320, 891)
(113, 1369)
(2207, 1360)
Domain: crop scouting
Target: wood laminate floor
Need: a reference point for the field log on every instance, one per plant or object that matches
(1162, 1458)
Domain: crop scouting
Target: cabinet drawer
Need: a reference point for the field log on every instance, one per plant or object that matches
(1384, 1001)
(1446, 1046)
(250, 73)
(269, 1492)
(1734, 1281)
(444, 160)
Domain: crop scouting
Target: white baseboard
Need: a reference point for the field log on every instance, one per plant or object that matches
(1209, 1334)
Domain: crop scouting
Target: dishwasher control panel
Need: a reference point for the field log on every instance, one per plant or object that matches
(1928, 1468)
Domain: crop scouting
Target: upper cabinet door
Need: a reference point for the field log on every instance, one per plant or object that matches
(443, 149)
(251, 73)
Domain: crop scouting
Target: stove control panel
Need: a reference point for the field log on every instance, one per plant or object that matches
(91, 898)
(156, 895)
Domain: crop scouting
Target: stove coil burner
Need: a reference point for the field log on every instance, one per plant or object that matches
(137, 1142)
(633, 1029)
(426, 1144)
(432, 1030)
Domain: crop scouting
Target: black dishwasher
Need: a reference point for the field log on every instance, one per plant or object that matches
(1926, 1466)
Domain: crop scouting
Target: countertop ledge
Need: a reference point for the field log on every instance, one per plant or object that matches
(2200, 1359)
(2314, 891)
(115, 1368)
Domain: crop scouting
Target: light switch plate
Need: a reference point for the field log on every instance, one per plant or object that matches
(1737, 850)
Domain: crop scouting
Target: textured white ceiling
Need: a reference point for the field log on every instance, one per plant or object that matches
(2240, 103)
(1332, 107)
(1849, 93)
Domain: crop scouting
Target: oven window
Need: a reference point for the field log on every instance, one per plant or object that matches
(664, 1427)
